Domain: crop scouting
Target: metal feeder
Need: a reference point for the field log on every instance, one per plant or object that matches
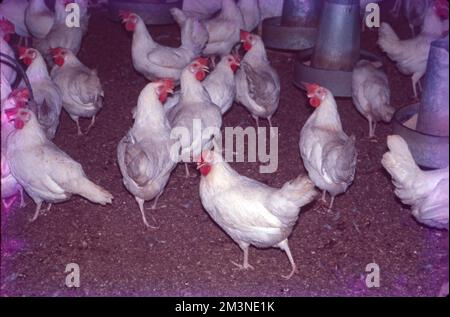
(153, 12)
(296, 29)
(330, 63)
(424, 125)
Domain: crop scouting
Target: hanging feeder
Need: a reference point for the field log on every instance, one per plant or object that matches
(296, 29)
(153, 12)
(330, 63)
(424, 125)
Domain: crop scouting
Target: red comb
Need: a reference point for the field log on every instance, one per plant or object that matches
(124, 14)
(22, 50)
(203, 61)
(244, 35)
(168, 83)
(22, 94)
(56, 50)
(310, 88)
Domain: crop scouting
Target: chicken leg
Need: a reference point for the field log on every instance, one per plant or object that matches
(283, 245)
(415, 80)
(91, 125)
(37, 210)
(324, 196)
(156, 201)
(246, 265)
(331, 204)
(77, 121)
(22, 199)
(141, 208)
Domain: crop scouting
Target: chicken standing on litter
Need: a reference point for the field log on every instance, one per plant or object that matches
(81, 90)
(371, 94)
(144, 153)
(45, 172)
(257, 83)
(329, 155)
(411, 55)
(250, 212)
(153, 60)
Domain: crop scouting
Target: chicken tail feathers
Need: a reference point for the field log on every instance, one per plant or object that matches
(93, 192)
(398, 161)
(387, 38)
(300, 191)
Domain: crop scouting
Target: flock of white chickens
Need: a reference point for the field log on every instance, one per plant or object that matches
(250, 212)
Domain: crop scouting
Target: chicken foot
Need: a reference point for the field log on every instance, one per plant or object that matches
(415, 80)
(246, 265)
(323, 201)
(283, 245)
(79, 132)
(22, 199)
(372, 127)
(141, 208)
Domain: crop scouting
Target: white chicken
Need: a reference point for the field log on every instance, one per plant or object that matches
(45, 92)
(224, 30)
(7, 69)
(14, 11)
(62, 35)
(418, 11)
(10, 187)
(46, 173)
(425, 191)
(329, 155)
(144, 153)
(220, 85)
(371, 93)
(411, 55)
(195, 108)
(257, 83)
(38, 18)
(250, 212)
(153, 60)
(251, 13)
(81, 90)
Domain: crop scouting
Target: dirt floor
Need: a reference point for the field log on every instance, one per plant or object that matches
(190, 255)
